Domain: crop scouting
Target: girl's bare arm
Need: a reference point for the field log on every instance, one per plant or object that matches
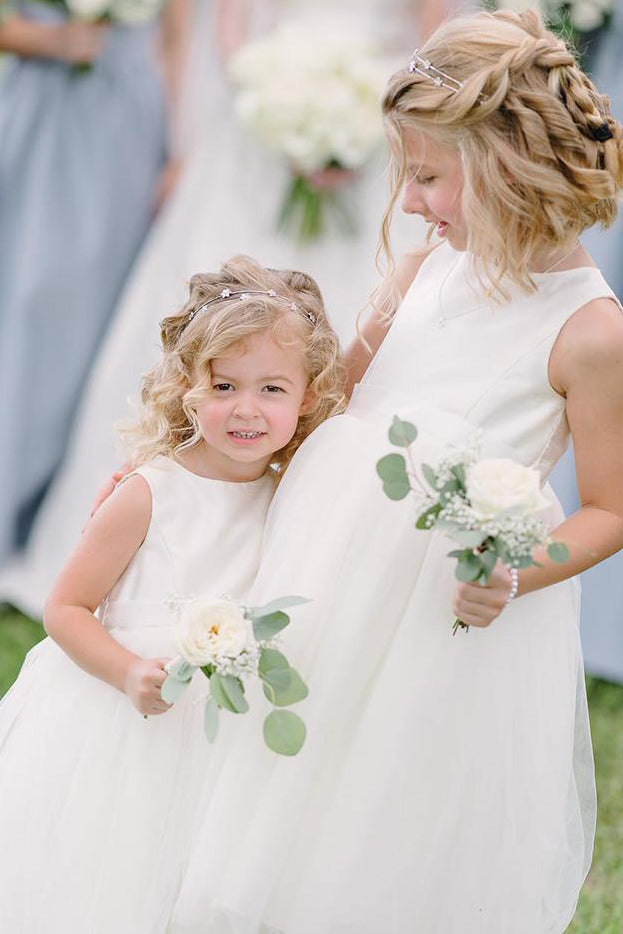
(108, 544)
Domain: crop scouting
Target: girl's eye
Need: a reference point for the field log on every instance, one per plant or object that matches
(222, 387)
(273, 389)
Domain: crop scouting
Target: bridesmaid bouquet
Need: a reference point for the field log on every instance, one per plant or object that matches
(314, 98)
(488, 507)
(229, 643)
(570, 18)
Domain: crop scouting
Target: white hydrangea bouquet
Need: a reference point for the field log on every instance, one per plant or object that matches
(314, 98)
(230, 643)
(489, 507)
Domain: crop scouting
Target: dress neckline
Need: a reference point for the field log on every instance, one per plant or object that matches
(248, 484)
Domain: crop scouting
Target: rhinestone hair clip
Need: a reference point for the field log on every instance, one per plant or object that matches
(438, 77)
(227, 294)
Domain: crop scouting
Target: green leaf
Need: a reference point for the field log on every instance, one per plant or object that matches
(234, 689)
(558, 552)
(180, 669)
(488, 560)
(468, 538)
(271, 658)
(469, 568)
(391, 468)
(265, 627)
(281, 603)
(283, 697)
(172, 689)
(278, 678)
(458, 472)
(429, 475)
(402, 434)
(433, 511)
(228, 693)
(284, 732)
(210, 720)
(448, 489)
(208, 670)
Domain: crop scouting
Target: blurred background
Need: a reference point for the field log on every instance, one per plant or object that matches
(142, 141)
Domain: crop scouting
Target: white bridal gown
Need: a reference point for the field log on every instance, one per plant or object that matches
(97, 804)
(446, 786)
(226, 202)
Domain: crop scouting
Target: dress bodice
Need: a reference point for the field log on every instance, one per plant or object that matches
(204, 537)
(484, 362)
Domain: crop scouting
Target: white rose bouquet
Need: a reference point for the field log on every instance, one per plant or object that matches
(571, 18)
(313, 97)
(488, 507)
(229, 644)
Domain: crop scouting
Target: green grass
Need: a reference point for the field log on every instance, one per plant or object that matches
(601, 904)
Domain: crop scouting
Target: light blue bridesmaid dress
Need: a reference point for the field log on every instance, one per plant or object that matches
(602, 586)
(79, 158)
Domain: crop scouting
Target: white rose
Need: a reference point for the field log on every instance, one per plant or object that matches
(499, 484)
(209, 628)
(89, 10)
(586, 16)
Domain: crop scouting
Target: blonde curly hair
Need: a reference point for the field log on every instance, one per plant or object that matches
(524, 123)
(167, 422)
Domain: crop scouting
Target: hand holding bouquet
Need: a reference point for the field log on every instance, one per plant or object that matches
(314, 98)
(488, 507)
(229, 643)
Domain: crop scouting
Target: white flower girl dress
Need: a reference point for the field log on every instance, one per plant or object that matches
(446, 786)
(97, 804)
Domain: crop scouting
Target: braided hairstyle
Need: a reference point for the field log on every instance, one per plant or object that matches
(524, 122)
(192, 338)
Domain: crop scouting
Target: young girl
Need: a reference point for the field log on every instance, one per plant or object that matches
(446, 786)
(99, 778)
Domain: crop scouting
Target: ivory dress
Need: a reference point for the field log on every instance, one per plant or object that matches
(96, 803)
(446, 785)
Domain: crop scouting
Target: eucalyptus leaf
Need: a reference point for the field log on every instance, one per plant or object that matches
(284, 732)
(402, 434)
(220, 695)
(271, 658)
(392, 468)
(180, 669)
(210, 720)
(469, 568)
(278, 678)
(429, 475)
(468, 538)
(397, 489)
(172, 689)
(234, 689)
(458, 472)
(265, 627)
(488, 560)
(558, 552)
(281, 603)
(296, 691)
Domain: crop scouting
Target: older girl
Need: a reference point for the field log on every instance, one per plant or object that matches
(447, 783)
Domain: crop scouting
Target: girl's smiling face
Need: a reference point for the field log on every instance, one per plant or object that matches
(434, 185)
(257, 395)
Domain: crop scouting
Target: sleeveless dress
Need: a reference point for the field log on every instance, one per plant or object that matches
(226, 203)
(80, 157)
(602, 585)
(447, 783)
(96, 803)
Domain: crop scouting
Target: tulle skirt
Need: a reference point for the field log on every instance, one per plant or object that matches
(97, 805)
(446, 785)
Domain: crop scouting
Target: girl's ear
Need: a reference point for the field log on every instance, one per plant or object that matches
(308, 402)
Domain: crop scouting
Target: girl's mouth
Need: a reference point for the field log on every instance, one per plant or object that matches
(246, 437)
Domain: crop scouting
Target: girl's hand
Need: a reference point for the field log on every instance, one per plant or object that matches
(143, 681)
(479, 605)
(79, 43)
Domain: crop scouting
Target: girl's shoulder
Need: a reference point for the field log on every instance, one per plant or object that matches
(590, 343)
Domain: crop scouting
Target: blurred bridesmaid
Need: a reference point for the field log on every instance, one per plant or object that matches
(602, 586)
(84, 163)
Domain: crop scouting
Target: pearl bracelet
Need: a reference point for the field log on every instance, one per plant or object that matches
(512, 593)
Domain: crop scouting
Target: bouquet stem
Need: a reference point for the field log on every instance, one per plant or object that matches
(307, 206)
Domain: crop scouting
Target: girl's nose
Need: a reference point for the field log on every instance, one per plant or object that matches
(412, 202)
(246, 406)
